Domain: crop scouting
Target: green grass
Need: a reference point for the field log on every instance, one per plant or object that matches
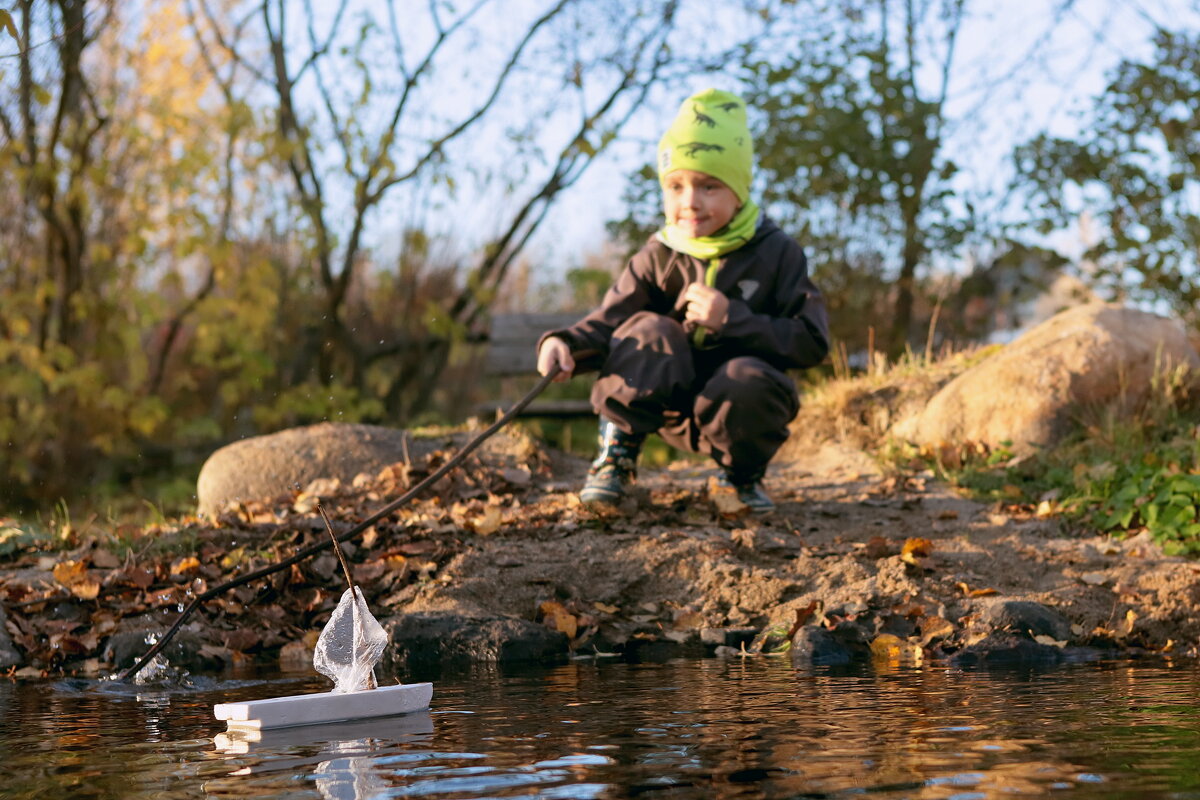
(1118, 473)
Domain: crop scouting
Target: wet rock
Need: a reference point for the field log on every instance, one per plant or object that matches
(124, 648)
(9, 657)
(814, 645)
(1026, 617)
(659, 650)
(1007, 649)
(432, 639)
(728, 637)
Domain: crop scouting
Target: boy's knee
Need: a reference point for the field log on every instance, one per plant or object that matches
(646, 327)
(748, 381)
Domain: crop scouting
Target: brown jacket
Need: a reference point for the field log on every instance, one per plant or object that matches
(775, 311)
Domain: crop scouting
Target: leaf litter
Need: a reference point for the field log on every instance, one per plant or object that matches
(675, 565)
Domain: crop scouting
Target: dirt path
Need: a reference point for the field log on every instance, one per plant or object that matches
(670, 567)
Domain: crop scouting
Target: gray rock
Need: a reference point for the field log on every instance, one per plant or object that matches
(263, 467)
(9, 655)
(1028, 618)
(432, 639)
(814, 645)
(1008, 649)
(124, 648)
(1094, 355)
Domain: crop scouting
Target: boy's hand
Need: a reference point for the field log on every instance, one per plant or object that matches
(555, 351)
(706, 306)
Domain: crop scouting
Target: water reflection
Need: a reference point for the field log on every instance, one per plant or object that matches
(345, 763)
(744, 729)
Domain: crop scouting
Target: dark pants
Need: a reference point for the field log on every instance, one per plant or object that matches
(736, 410)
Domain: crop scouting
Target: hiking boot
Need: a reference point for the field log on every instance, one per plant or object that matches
(614, 468)
(749, 491)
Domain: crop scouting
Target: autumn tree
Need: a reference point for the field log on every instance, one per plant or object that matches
(1135, 171)
(115, 224)
(853, 147)
(370, 135)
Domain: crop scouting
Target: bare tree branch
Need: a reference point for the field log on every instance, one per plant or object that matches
(230, 50)
(339, 130)
(318, 50)
(435, 148)
(572, 163)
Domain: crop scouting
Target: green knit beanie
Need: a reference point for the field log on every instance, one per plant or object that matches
(710, 135)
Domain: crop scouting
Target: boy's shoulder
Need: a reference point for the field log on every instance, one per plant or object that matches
(654, 250)
(770, 239)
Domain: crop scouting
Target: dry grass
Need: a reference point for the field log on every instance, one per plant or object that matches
(859, 410)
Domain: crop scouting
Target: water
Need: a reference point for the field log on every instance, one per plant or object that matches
(740, 728)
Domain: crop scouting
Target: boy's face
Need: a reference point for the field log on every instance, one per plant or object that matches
(697, 203)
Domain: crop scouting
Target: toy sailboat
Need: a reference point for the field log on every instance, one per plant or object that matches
(347, 651)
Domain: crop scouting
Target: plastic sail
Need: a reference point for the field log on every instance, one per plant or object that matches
(351, 645)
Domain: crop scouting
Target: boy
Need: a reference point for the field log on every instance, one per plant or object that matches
(697, 331)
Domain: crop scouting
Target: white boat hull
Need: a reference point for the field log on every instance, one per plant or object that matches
(324, 707)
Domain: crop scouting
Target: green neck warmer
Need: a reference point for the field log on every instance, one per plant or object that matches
(738, 232)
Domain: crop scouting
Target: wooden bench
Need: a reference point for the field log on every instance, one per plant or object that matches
(511, 343)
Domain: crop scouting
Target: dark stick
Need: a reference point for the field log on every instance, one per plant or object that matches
(357, 530)
(337, 548)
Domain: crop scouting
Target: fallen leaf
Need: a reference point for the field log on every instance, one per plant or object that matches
(105, 559)
(1093, 578)
(803, 615)
(877, 547)
(70, 572)
(564, 623)
(369, 538)
(75, 577)
(1042, 638)
(233, 558)
(934, 627)
(91, 666)
(242, 639)
(605, 608)
(969, 592)
(1128, 624)
(368, 572)
(549, 607)
(725, 500)
(185, 566)
(916, 548)
(488, 522)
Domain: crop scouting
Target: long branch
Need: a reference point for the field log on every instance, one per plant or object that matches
(357, 530)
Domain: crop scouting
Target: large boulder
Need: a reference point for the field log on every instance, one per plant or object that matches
(1026, 394)
(263, 467)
